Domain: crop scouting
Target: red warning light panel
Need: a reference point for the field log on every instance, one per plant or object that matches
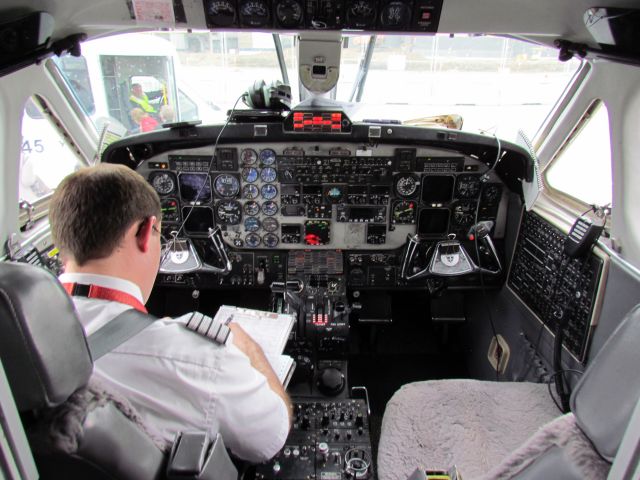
(317, 122)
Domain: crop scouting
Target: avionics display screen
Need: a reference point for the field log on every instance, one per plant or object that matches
(312, 189)
(357, 190)
(192, 183)
(289, 229)
(317, 232)
(379, 190)
(368, 213)
(433, 221)
(200, 220)
(437, 188)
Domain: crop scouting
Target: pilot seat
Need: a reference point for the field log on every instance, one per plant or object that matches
(77, 429)
(510, 430)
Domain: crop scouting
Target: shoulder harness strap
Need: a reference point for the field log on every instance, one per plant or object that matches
(117, 331)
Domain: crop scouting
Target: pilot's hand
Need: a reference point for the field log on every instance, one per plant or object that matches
(243, 341)
(251, 349)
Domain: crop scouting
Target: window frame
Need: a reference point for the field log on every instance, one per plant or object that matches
(40, 208)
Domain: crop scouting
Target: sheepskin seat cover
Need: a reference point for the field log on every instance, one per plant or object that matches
(472, 424)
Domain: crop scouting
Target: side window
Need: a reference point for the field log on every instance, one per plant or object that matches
(76, 73)
(45, 157)
(582, 167)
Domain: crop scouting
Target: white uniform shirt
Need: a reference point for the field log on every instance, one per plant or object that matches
(178, 380)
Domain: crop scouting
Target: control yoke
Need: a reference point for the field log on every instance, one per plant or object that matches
(215, 235)
(449, 258)
(180, 256)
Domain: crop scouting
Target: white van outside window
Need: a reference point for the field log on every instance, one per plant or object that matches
(105, 79)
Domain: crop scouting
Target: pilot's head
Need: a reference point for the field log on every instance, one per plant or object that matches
(106, 220)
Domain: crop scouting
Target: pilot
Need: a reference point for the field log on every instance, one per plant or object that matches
(140, 99)
(106, 222)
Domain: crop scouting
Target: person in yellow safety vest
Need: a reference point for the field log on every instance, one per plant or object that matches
(140, 99)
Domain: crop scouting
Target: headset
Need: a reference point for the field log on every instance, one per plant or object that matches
(274, 96)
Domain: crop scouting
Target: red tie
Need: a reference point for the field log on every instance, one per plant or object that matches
(103, 293)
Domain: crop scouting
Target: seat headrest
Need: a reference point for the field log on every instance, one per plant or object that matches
(604, 399)
(43, 346)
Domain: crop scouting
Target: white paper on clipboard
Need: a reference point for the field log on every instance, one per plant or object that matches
(154, 11)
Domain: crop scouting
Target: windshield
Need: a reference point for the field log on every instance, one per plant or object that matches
(136, 82)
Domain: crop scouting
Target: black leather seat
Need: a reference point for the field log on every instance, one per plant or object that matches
(75, 429)
(505, 430)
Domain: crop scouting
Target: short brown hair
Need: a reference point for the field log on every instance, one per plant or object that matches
(92, 209)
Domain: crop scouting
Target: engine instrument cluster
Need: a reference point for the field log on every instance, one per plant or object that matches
(383, 15)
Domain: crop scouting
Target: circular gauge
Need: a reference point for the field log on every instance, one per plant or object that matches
(249, 174)
(289, 13)
(229, 212)
(226, 185)
(170, 211)
(270, 224)
(221, 13)
(468, 186)
(251, 208)
(491, 193)
(270, 240)
(267, 157)
(268, 174)
(361, 13)
(252, 240)
(250, 192)
(403, 212)
(395, 15)
(270, 208)
(407, 185)
(464, 213)
(248, 156)
(251, 224)
(163, 183)
(269, 191)
(254, 13)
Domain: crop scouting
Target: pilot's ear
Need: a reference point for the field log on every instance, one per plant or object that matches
(144, 235)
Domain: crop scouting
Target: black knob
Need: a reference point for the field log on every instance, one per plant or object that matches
(359, 420)
(331, 381)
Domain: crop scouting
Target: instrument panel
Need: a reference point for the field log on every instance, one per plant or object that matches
(383, 15)
(316, 196)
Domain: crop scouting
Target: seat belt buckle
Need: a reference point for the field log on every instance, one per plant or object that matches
(432, 474)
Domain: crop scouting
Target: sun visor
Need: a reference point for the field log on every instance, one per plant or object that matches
(615, 29)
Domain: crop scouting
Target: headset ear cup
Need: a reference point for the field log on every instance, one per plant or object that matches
(256, 94)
